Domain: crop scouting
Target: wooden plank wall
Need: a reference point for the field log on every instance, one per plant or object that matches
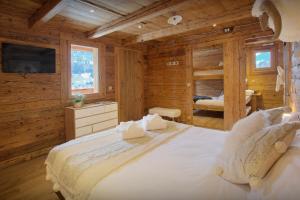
(266, 82)
(211, 88)
(165, 86)
(208, 58)
(130, 66)
(169, 86)
(234, 81)
(32, 107)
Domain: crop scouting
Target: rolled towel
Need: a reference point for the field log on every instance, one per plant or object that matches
(249, 92)
(153, 122)
(130, 130)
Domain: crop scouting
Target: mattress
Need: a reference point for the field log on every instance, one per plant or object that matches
(215, 103)
(211, 102)
(182, 168)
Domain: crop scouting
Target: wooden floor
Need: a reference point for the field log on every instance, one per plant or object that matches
(26, 181)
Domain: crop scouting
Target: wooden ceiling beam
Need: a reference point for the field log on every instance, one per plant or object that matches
(102, 7)
(47, 12)
(156, 9)
(228, 16)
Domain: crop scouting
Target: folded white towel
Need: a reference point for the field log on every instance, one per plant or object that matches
(249, 92)
(153, 122)
(130, 130)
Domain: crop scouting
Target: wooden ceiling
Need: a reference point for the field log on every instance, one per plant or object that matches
(120, 19)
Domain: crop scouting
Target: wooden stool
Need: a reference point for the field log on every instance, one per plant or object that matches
(171, 113)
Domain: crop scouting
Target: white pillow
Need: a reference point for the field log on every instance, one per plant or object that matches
(290, 117)
(240, 132)
(275, 114)
(245, 127)
(254, 158)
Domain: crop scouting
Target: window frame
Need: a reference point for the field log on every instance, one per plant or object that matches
(101, 69)
(270, 69)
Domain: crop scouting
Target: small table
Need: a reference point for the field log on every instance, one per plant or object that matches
(172, 113)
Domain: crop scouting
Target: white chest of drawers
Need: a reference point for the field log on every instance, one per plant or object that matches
(90, 118)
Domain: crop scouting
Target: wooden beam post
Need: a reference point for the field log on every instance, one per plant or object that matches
(229, 16)
(234, 82)
(143, 14)
(47, 12)
(189, 84)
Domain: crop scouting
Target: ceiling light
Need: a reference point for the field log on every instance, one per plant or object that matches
(140, 26)
(92, 11)
(214, 25)
(174, 20)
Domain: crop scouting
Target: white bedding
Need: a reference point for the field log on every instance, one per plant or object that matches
(210, 102)
(182, 168)
(216, 102)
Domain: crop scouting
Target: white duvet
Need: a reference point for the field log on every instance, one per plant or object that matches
(182, 168)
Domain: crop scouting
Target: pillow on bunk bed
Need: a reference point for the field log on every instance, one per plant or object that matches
(196, 98)
(253, 158)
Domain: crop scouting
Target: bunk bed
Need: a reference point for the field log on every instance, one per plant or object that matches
(217, 103)
(208, 73)
(209, 111)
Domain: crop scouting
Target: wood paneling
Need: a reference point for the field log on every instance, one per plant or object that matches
(32, 107)
(165, 86)
(211, 88)
(234, 82)
(265, 81)
(207, 58)
(46, 12)
(231, 15)
(156, 9)
(130, 67)
(88, 15)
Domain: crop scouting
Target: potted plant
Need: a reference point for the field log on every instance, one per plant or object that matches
(78, 100)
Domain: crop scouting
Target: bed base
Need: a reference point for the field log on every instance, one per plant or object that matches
(208, 107)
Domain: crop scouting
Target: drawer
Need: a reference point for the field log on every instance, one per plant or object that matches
(83, 131)
(84, 112)
(105, 125)
(111, 107)
(95, 119)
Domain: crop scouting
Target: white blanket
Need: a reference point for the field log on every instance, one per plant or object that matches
(78, 165)
(181, 168)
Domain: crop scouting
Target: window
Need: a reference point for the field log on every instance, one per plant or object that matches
(84, 70)
(263, 59)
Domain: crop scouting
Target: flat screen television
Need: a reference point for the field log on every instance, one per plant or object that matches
(27, 59)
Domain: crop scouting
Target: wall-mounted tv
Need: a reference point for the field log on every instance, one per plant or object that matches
(27, 59)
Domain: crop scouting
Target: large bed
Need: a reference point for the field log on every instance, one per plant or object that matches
(179, 165)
